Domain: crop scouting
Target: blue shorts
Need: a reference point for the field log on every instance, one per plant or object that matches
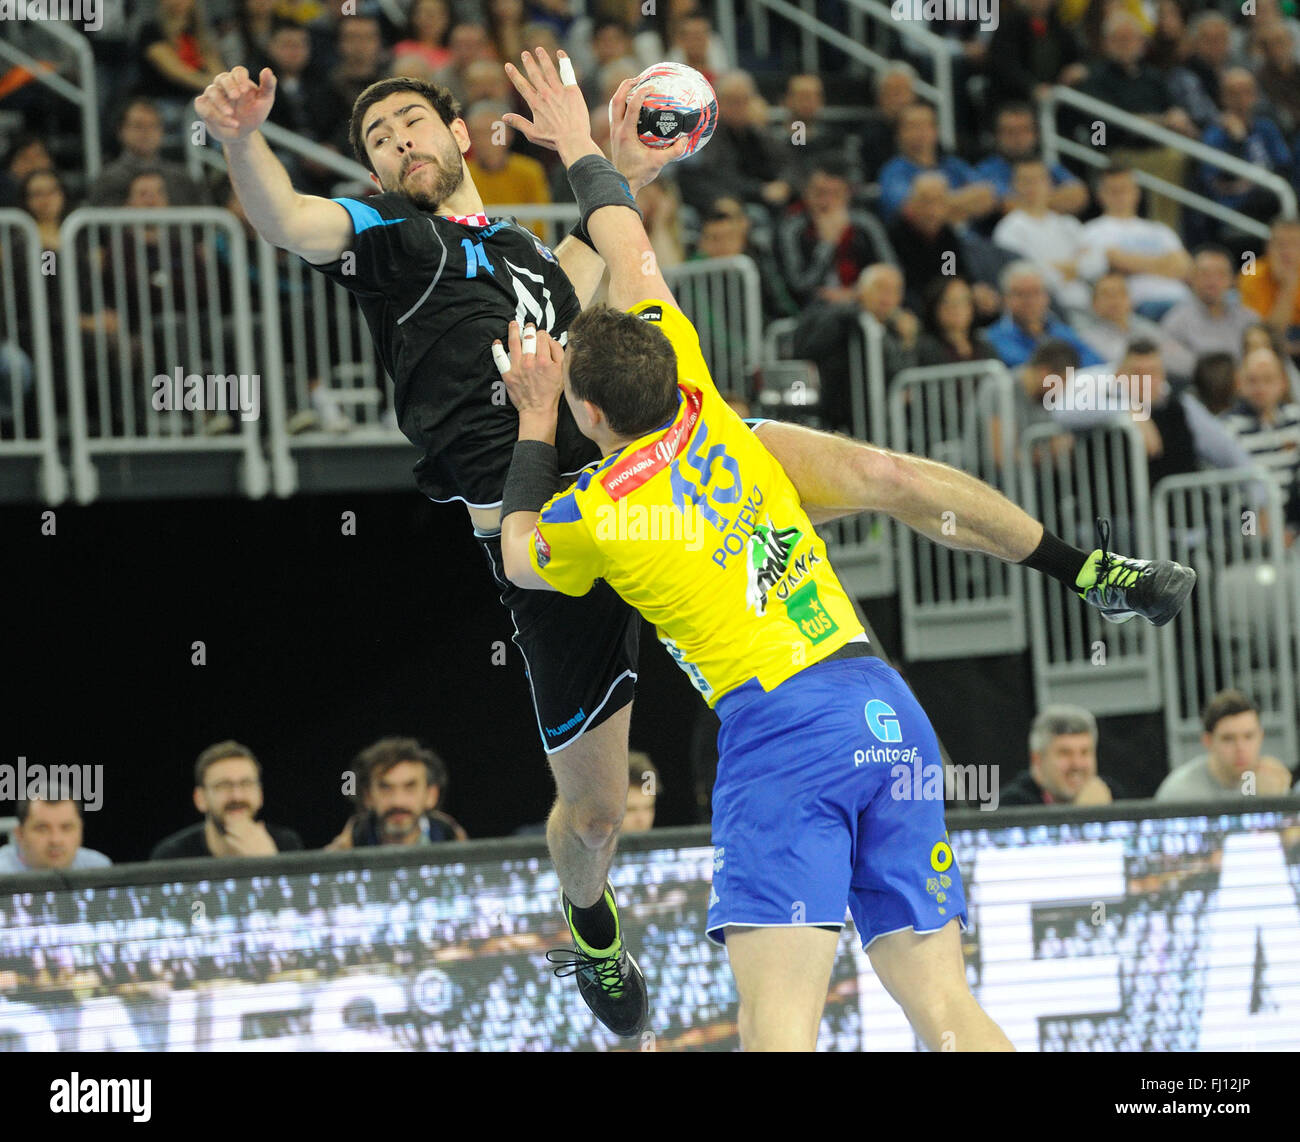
(830, 792)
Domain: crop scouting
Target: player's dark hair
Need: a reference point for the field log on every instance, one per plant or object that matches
(625, 367)
(222, 751)
(1224, 704)
(440, 99)
(1141, 347)
(377, 759)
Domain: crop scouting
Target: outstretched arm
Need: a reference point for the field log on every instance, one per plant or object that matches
(836, 476)
(234, 107)
(640, 165)
(561, 121)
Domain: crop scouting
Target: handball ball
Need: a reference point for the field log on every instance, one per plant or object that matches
(679, 103)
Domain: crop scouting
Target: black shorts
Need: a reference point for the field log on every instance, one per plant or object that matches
(580, 654)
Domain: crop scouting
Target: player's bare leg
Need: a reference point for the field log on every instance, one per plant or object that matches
(837, 476)
(591, 784)
(927, 978)
(782, 975)
(582, 832)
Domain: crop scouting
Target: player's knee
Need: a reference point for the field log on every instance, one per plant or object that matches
(932, 1003)
(595, 823)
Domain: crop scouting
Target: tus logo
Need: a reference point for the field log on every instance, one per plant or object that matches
(882, 721)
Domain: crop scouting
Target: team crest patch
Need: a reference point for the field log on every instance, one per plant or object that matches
(541, 548)
(543, 249)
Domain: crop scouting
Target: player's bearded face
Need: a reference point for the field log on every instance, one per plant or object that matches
(429, 178)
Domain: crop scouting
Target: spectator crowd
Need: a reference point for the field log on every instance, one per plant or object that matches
(400, 785)
(842, 192)
(838, 187)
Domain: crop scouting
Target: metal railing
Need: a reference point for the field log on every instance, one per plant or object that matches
(723, 299)
(862, 546)
(812, 31)
(332, 407)
(1068, 480)
(1238, 629)
(1054, 144)
(26, 343)
(176, 282)
(84, 92)
(956, 603)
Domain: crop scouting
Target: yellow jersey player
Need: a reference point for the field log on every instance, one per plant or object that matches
(691, 519)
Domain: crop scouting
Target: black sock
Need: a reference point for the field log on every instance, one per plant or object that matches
(1058, 559)
(595, 924)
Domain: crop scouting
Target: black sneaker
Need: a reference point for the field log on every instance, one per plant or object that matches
(608, 979)
(1122, 588)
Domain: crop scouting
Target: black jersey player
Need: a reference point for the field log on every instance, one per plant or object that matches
(438, 283)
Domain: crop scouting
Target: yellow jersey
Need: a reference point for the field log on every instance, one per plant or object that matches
(698, 527)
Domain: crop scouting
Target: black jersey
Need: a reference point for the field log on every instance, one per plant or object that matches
(436, 294)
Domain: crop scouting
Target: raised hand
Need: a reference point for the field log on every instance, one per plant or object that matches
(246, 837)
(560, 117)
(233, 106)
(636, 162)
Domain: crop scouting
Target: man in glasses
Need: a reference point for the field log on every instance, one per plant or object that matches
(228, 792)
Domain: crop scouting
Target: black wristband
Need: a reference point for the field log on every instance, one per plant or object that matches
(534, 477)
(596, 183)
(579, 231)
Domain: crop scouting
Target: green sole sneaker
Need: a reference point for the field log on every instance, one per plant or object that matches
(610, 981)
(1124, 589)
